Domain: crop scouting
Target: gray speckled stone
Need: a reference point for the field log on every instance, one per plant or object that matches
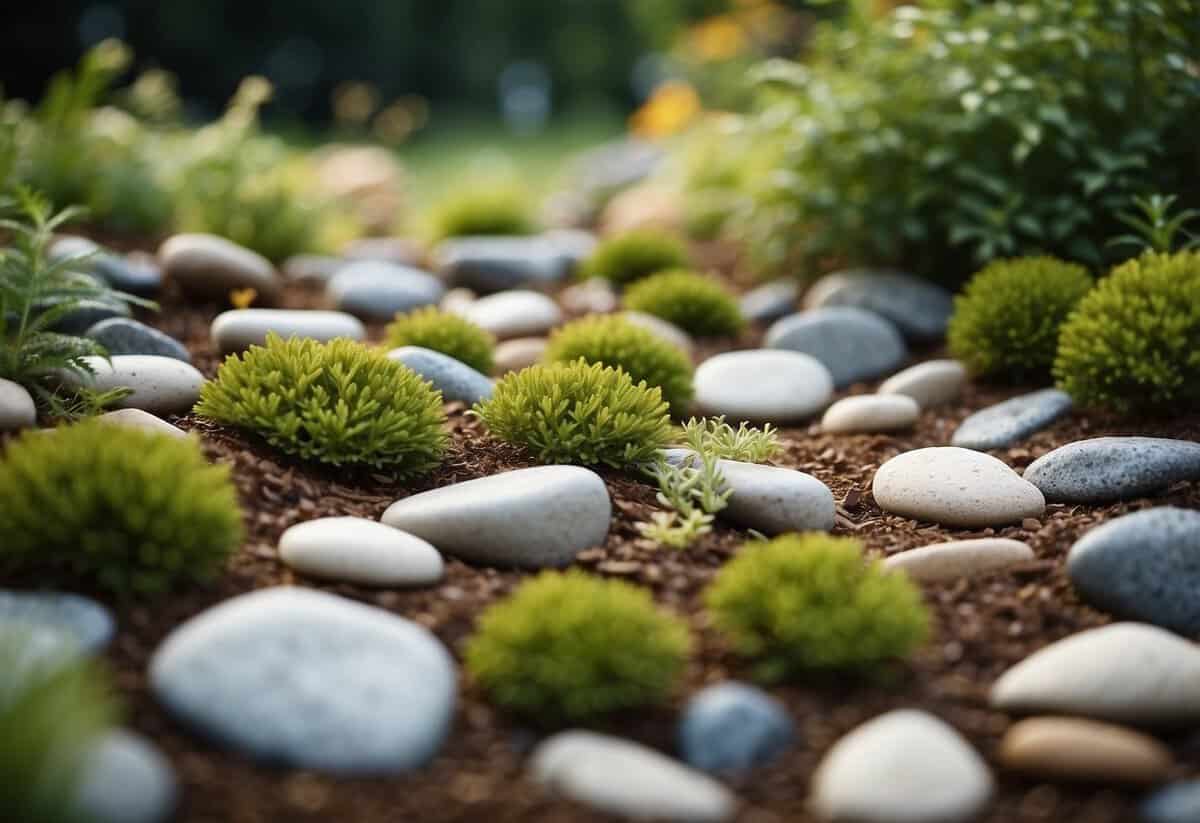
(1177, 803)
(1113, 468)
(125, 779)
(376, 290)
(89, 624)
(1143, 566)
(770, 301)
(121, 335)
(854, 344)
(1007, 423)
(918, 308)
(311, 680)
(492, 264)
(454, 379)
(733, 727)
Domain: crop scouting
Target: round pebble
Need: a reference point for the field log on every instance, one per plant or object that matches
(960, 559)
(932, 383)
(138, 419)
(514, 313)
(311, 269)
(237, 330)
(762, 385)
(1010, 422)
(377, 290)
(354, 550)
(89, 625)
(125, 779)
(733, 727)
(1068, 748)
(495, 263)
(870, 414)
(161, 385)
(775, 500)
(1104, 469)
(17, 410)
(457, 381)
(86, 314)
(209, 267)
(919, 309)
(593, 296)
(121, 335)
(852, 343)
(517, 354)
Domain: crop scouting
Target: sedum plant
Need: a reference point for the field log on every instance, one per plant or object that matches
(812, 602)
(338, 402)
(128, 510)
(693, 302)
(745, 443)
(579, 413)
(567, 647)
(495, 210)
(441, 331)
(616, 342)
(1005, 323)
(627, 258)
(1133, 343)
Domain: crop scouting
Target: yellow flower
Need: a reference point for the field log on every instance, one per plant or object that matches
(670, 108)
(242, 298)
(717, 38)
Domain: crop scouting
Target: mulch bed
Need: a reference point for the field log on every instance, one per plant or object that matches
(981, 627)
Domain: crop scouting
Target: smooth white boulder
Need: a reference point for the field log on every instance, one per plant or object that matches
(233, 331)
(160, 385)
(17, 410)
(762, 386)
(356, 550)
(138, 419)
(871, 413)
(932, 383)
(960, 559)
(516, 313)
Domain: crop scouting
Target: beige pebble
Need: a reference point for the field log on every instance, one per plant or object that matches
(138, 419)
(958, 559)
(931, 383)
(870, 413)
(514, 355)
(1069, 748)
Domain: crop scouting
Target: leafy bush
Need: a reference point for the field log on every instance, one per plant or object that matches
(627, 258)
(1006, 321)
(945, 136)
(689, 300)
(447, 333)
(52, 711)
(494, 210)
(1133, 343)
(605, 648)
(579, 413)
(336, 402)
(129, 510)
(811, 602)
(616, 342)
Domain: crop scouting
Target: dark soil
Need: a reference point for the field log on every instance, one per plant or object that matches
(981, 627)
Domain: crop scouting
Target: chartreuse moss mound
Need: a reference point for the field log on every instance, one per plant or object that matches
(495, 210)
(441, 331)
(693, 302)
(627, 258)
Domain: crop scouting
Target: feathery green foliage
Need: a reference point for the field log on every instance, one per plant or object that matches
(809, 602)
(693, 302)
(129, 510)
(494, 210)
(52, 711)
(627, 258)
(441, 331)
(745, 443)
(338, 402)
(1133, 343)
(1005, 323)
(614, 341)
(579, 413)
(567, 647)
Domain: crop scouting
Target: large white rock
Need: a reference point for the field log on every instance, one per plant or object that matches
(355, 550)
(209, 267)
(906, 766)
(931, 383)
(1124, 672)
(762, 385)
(955, 487)
(775, 500)
(960, 559)
(138, 419)
(161, 385)
(16, 406)
(624, 778)
(871, 413)
(517, 313)
(531, 518)
(233, 331)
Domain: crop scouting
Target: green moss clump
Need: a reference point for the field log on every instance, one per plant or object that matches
(455, 336)
(616, 342)
(1005, 323)
(812, 602)
(491, 211)
(691, 301)
(568, 647)
(128, 510)
(1133, 344)
(579, 413)
(338, 402)
(627, 258)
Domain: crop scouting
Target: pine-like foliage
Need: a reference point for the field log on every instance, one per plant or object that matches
(441, 331)
(338, 402)
(693, 302)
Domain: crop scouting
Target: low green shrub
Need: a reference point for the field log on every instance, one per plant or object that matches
(495, 210)
(570, 647)
(128, 510)
(579, 413)
(812, 602)
(691, 301)
(627, 258)
(441, 331)
(338, 402)
(1005, 323)
(1133, 343)
(616, 342)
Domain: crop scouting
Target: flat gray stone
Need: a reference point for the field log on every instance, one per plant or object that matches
(1176, 803)
(457, 381)
(89, 625)
(141, 277)
(854, 344)
(87, 314)
(775, 500)
(310, 680)
(497, 263)
(919, 309)
(237, 330)
(125, 779)
(377, 290)
(17, 410)
(1144, 566)
(1008, 423)
(770, 301)
(733, 727)
(122, 335)
(312, 269)
(209, 267)
(1104, 469)
(762, 386)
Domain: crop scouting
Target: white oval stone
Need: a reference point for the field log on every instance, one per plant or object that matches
(514, 355)
(906, 766)
(208, 266)
(870, 413)
(621, 777)
(161, 385)
(515, 313)
(955, 487)
(233, 331)
(17, 410)
(138, 419)
(355, 550)
(960, 559)
(1123, 672)
(662, 329)
(775, 500)
(762, 386)
(931, 383)
(531, 518)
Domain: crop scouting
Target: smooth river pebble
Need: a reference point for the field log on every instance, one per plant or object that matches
(356, 550)
(960, 559)
(932, 383)
(234, 331)
(1010, 422)
(852, 343)
(161, 385)
(1069, 748)
(870, 414)
(762, 386)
